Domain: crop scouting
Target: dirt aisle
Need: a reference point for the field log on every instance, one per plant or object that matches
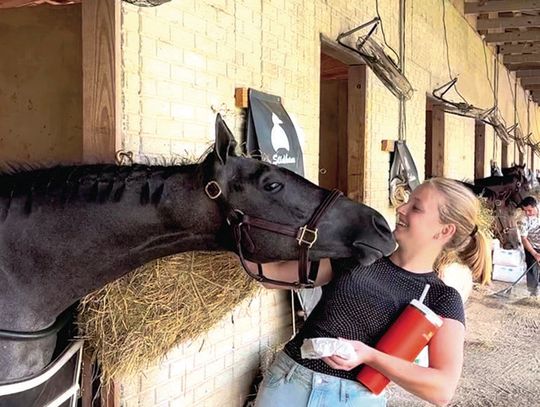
(502, 353)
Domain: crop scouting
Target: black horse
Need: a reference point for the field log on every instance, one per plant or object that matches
(510, 188)
(503, 194)
(67, 231)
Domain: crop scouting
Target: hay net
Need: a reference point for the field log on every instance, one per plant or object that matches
(138, 319)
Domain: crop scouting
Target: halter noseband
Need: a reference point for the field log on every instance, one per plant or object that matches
(306, 235)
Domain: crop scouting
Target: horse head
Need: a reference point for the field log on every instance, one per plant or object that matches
(523, 177)
(505, 227)
(256, 189)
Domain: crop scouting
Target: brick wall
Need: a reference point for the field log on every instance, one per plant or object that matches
(181, 63)
(218, 368)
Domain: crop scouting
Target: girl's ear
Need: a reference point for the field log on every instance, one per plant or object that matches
(447, 231)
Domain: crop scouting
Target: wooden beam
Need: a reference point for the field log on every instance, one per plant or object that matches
(508, 22)
(531, 87)
(331, 48)
(517, 36)
(526, 73)
(501, 6)
(101, 79)
(524, 48)
(520, 59)
(388, 145)
(531, 80)
(241, 99)
(523, 66)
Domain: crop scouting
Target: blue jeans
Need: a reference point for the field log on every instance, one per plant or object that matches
(289, 384)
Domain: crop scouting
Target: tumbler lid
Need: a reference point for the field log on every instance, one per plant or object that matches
(430, 315)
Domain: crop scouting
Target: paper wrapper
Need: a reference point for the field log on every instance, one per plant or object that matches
(316, 348)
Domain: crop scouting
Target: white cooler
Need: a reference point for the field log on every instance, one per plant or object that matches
(508, 274)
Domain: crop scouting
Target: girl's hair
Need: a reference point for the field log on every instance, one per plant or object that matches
(461, 208)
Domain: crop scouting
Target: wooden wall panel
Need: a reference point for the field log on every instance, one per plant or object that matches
(101, 79)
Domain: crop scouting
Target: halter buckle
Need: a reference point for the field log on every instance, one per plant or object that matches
(216, 190)
(307, 236)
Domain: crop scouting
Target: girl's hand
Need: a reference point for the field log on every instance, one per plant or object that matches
(362, 355)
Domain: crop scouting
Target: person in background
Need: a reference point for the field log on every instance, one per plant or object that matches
(529, 230)
(359, 303)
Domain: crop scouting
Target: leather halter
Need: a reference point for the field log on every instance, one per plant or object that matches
(240, 225)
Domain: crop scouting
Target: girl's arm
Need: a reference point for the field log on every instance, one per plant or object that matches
(288, 271)
(436, 383)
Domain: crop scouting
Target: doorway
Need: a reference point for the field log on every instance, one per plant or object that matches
(342, 124)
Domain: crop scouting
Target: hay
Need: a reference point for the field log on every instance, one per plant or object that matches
(137, 319)
(485, 218)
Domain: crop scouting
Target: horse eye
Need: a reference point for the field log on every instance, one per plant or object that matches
(273, 187)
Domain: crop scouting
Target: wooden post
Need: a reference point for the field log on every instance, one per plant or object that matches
(479, 148)
(101, 79)
(504, 155)
(101, 99)
(86, 381)
(356, 132)
(110, 395)
(437, 142)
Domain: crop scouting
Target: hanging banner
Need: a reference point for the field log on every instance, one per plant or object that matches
(271, 135)
(403, 174)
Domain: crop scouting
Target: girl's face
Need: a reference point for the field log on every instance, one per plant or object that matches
(418, 223)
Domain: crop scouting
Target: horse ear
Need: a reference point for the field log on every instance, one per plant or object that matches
(225, 142)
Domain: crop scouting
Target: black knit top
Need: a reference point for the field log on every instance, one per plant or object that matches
(361, 302)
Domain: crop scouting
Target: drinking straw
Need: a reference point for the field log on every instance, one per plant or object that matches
(424, 293)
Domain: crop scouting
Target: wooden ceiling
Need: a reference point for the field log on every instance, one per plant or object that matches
(513, 26)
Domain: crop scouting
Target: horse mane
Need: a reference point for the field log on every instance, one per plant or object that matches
(98, 183)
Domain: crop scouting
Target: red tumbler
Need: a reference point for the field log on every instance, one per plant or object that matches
(407, 336)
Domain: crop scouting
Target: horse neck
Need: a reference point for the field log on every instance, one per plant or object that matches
(111, 239)
(495, 181)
